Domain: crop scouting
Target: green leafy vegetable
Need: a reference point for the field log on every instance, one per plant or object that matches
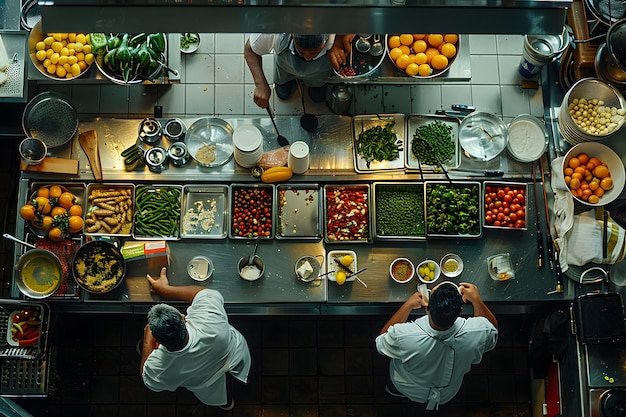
(439, 136)
(378, 143)
(187, 40)
(453, 209)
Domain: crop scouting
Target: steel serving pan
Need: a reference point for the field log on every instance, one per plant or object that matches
(38, 273)
(98, 267)
(210, 133)
(51, 117)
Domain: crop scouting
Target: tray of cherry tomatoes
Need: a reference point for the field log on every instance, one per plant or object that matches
(54, 211)
(505, 205)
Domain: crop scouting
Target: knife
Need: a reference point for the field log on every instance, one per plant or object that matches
(342, 266)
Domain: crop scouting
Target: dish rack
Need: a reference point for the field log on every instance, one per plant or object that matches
(25, 369)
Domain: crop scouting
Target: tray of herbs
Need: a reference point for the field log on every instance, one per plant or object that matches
(453, 209)
(441, 137)
(378, 142)
(398, 211)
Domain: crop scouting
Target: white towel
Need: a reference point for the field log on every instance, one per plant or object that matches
(563, 211)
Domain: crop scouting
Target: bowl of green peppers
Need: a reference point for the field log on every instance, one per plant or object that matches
(125, 58)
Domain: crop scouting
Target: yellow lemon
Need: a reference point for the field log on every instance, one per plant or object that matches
(412, 69)
(431, 266)
(439, 62)
(395, 53)
(340, 277)
(451, 38)
(346, 260)
(394, 41)
(448, 50)
(406, 39)
(425, 70)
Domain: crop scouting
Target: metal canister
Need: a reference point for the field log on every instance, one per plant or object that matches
(157, 159)
(149, 131)
(340, 99)
(174, 130)
(178, 154)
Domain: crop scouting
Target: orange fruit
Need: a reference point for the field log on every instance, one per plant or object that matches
(405, 49)
(412, 69)
(593, 199)
(568, 171)
(439, 62)
(66, 200)
(601, 172)
(403, 61)
(55, 191)
(55, 234)
(43, 192)
(394, 41)
(435, 39)
(606, 183)
(451, 38)
(395, 53)
(406, 39)
(574, 163)
(420, 58)
(599, 192)
(75, 224)
(419, 46)
(46, 222)
(57, 211)
(448, 50)
(595, 161)
(574, 184)
(418, 36)
(76, 210)
(583, 158)
(425, 70)
(430, 53)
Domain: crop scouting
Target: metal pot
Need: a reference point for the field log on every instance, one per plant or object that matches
(98, 267)
(38, 273)
(340, 99)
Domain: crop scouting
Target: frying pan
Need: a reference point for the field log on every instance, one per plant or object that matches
(98, 267)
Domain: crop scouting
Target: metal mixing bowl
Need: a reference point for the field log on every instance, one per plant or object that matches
(243, 262)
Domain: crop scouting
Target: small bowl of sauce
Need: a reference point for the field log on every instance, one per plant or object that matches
(451, 265)
(402, 270)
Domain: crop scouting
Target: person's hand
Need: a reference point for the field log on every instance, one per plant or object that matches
(262, 95)
(469, 292)
(417, 301)
(347, 43)
(159, 284)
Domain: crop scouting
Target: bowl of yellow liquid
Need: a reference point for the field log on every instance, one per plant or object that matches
(38, 273)
(451, 265)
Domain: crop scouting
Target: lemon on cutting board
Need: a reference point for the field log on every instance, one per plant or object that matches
(346, 260)
(340, 277)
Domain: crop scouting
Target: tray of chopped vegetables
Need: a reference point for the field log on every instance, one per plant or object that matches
(204, 211)
(378, 142)
(453, 209)
(157, 212)
(432, 137)
(398, 210)
(347, 213)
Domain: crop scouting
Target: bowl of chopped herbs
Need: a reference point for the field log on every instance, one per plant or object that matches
(431, 140)
(189, 42)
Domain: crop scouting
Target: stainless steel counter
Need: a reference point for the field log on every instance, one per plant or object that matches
(279, 291)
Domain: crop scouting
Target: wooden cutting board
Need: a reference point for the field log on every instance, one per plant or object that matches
(89, 142)
(55, 165)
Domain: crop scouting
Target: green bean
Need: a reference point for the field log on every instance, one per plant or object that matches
(158, 211)
(439, 136)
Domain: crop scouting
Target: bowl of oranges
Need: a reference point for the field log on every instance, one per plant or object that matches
(593, 173)
(422, 55)
(60, 56)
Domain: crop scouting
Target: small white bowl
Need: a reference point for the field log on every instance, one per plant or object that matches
(401, 263)
(191, 47)
(436, 270)
(200, 268)
(451, 265)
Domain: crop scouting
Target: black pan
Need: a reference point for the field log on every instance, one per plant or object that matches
(599, 318)
(98, 267)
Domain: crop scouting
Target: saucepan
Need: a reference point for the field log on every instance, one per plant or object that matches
(38, 272)
(98, 267)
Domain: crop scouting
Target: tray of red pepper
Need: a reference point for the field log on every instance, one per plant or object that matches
(26, 327)
(347, 213)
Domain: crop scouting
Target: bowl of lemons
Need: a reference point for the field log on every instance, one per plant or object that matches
(428, 271)
(422, 55)
(341, 266)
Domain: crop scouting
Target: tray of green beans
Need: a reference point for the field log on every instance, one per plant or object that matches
(442, 136)
(157, 212)
(399, 210)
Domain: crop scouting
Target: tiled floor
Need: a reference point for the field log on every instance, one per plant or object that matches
(302, 366)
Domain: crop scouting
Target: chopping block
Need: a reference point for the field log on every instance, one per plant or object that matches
(89, 142)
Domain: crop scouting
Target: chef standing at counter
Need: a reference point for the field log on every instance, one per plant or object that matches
(309, 58)
(431, 355)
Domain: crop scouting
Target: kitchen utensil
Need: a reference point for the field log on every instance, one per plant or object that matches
(307, 121)
(251, 272)
(362, 44)
(314, 271)
(178, 154)
(430, 276)
(451, 265)
(528, 138)
(251, 258)
(98, 266)
(189, 42)
(51, 117)
(89, 142)
(356, 276)
(432, 151)
(553, 251)
(54, 165)
(340, 99)
(483, 135)
(599, 318)
(174, 129)
(299, 158)
(200, 268)
(282, 141)
(540, 251)
(21, 242)
(33, 151)
(377, 48)
(38, 273)
(209, 141)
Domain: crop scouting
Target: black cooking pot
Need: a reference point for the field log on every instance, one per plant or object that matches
(98, 267)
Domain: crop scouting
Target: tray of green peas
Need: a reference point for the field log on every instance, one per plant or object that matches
(430, 140)
(398, 209)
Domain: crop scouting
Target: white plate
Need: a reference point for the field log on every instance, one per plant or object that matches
(247, 138)
(334, 267)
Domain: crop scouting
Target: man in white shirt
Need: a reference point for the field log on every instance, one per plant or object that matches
(431, 355)
(309, 58)
(199, 351)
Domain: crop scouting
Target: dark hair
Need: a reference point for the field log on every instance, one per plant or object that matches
(167, 326)
(445, 305)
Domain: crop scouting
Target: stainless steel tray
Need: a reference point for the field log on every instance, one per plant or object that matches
(503, 185)
(16, 46)
(415, 121)
(8, 349)
(90, 206)
(204, 211)
(76, 188)
(252, 219)
(365, 122)
(153, 189)
(452, 207)
(405, 206)
(299, 208)
(342, 205)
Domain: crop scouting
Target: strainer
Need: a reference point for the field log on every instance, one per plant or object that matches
(51, 117)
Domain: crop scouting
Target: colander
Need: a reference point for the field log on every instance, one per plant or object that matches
(51, 117)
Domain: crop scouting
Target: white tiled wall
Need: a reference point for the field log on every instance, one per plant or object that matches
(215, 80)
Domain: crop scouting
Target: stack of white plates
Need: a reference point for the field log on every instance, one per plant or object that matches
(588, 88)
(248, 142)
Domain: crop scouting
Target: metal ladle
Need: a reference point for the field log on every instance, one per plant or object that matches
(377, 48)
(362, 44)
(307, 121)
(282, 141)
(256, 245)
(21, 242)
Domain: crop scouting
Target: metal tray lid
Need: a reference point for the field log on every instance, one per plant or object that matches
(9, 349)
(599, 318)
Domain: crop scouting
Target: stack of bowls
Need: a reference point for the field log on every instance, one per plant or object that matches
(588, 88)
(248, 142)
